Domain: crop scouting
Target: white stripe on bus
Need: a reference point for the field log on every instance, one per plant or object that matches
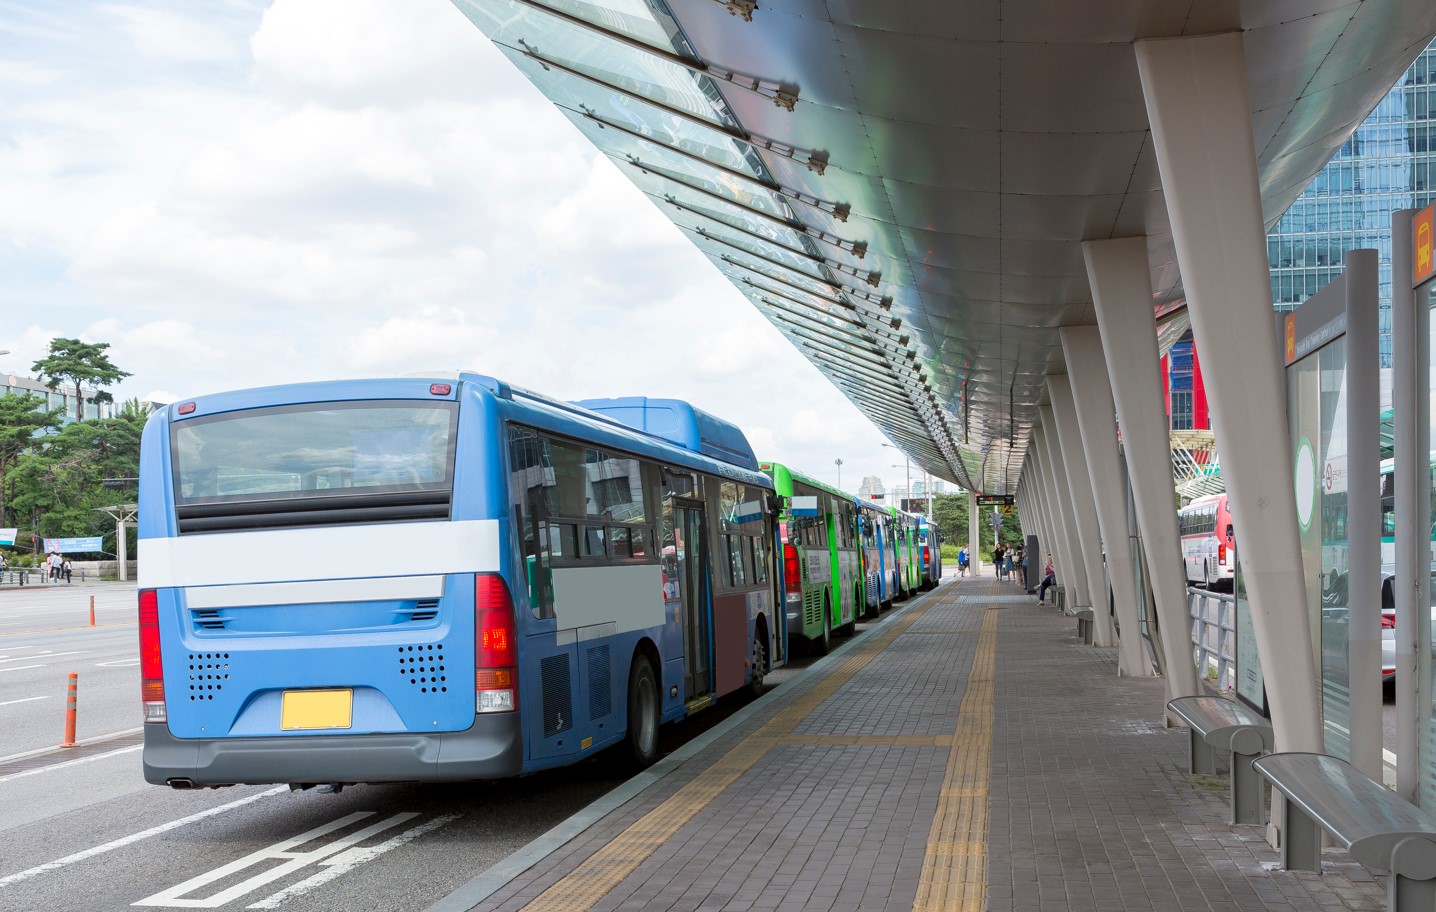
(376, 589)
(334, 552)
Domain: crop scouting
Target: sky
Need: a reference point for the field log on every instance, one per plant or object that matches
(237, 193)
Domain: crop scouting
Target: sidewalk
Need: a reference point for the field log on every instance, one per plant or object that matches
(967, 753)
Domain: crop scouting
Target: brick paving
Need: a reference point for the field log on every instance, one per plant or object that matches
(1090, 807)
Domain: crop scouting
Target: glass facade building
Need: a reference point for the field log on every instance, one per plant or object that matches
(1388, 163)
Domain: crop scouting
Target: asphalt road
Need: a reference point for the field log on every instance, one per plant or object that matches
(81, 830)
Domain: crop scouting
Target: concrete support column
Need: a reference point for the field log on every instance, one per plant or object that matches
(1363, 508)
(1200, 114)
(1410, 404)
(1097, 419)
(1122, 294)
(1084, 509)
(974, 536)
(1072, 573)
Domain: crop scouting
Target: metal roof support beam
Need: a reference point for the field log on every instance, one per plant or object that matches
(1122, 296)
(1097, 421)
(1056, 527)
(1084, 508)
(1199, 108)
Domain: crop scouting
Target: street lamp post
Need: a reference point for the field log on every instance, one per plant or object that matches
(839, 464)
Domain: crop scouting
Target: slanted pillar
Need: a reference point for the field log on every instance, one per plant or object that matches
(1199, 109)
(1122, 296)
(1097, 421)
(1084, 510)
(974, 533)
(1074, 577)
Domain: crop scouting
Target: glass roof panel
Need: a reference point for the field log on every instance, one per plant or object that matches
(526, 29)
(713, 211)
(720, 235)
(632, 17)
(680, 169)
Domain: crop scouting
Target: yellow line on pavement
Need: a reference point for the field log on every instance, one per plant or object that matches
(954, 870)
(614, 861)
(872, 740)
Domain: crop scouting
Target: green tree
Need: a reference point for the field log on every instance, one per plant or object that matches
(80, 362)
(21, 416)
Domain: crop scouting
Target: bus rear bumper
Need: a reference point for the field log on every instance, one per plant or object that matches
(491, 749)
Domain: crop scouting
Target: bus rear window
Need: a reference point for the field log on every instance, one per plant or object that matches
(321, 450)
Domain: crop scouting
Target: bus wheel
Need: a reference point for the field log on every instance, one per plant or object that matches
(642, 738)
(760, 663)
(825, 643)
(1207, 580)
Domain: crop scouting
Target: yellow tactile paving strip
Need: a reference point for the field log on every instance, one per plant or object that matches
(954, 870)
(607, 867)
(872, 740)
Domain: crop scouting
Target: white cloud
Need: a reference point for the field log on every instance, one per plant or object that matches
(339, 188)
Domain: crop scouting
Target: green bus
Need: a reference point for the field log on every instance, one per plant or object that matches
(823, 582)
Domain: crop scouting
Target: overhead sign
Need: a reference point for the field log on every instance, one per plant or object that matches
(1423, 258)
(74, 545)
(7, 536)
(995, 500)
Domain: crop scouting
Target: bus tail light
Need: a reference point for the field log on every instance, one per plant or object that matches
(792, 579)
(1388, 620)
(1222, 555)
(925, 557)
(152, 674)
(495, 646)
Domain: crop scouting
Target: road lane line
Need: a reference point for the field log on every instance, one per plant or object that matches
(25, 755)
(350, 859)
(23, 700)
(136, 837)
(118, 663)
(175, 896)
(54, 766)
(22, 668)
(47, 654)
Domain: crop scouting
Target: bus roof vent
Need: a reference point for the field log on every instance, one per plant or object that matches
(678, 422)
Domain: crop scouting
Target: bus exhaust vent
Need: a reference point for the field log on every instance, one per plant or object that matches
(423, 666)
(557, 705)
(423, 610)
(600, 683)
(208, 672)
(208, 619)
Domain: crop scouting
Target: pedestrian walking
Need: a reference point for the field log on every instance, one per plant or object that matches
(962, 562)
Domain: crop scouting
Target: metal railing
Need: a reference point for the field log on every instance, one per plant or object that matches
(37, 576)
(1213, 631)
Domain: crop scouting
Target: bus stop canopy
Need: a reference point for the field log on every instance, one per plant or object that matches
(902, 188)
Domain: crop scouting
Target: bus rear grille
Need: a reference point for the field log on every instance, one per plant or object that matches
(600, 683)
(423, 610)
(557, 699)
(423, 667)
(341, 510)
(208, 619)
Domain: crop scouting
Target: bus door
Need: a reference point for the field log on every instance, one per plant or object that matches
(685, 519)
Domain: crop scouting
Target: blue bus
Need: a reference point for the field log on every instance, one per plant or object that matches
(439, 578)
(879, 565)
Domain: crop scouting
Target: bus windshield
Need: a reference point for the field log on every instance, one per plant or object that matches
(294, 452)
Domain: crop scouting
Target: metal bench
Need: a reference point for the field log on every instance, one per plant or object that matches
(1084, 625)
(1377, 827)
(1216, 722)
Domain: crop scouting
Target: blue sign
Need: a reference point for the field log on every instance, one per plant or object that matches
(7, 536)
(804, 505)
(74, 545)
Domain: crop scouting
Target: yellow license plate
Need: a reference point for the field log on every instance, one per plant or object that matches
(312, 709)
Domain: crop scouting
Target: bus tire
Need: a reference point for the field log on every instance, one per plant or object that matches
(643, 714)
(1207, 581)
(760, 661)
(824, 644)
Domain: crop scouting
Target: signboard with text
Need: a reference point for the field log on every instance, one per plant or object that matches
(74, 545)
(995, 500)
(1423, 253)
(7, 536)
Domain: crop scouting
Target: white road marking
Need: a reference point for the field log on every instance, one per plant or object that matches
(54, 766)
(24, 700)
(347, 861)
(118, 663)
(136, 837)
(47, 654)
(87, 742)
(22, 668)
(175, 898)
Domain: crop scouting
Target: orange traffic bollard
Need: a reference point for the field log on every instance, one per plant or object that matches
(92, 611)
(71, 696)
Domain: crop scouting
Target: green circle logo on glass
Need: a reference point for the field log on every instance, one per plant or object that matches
(1305, 483)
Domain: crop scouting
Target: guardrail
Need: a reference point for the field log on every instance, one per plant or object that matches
(38, 576)
(1213, 632)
